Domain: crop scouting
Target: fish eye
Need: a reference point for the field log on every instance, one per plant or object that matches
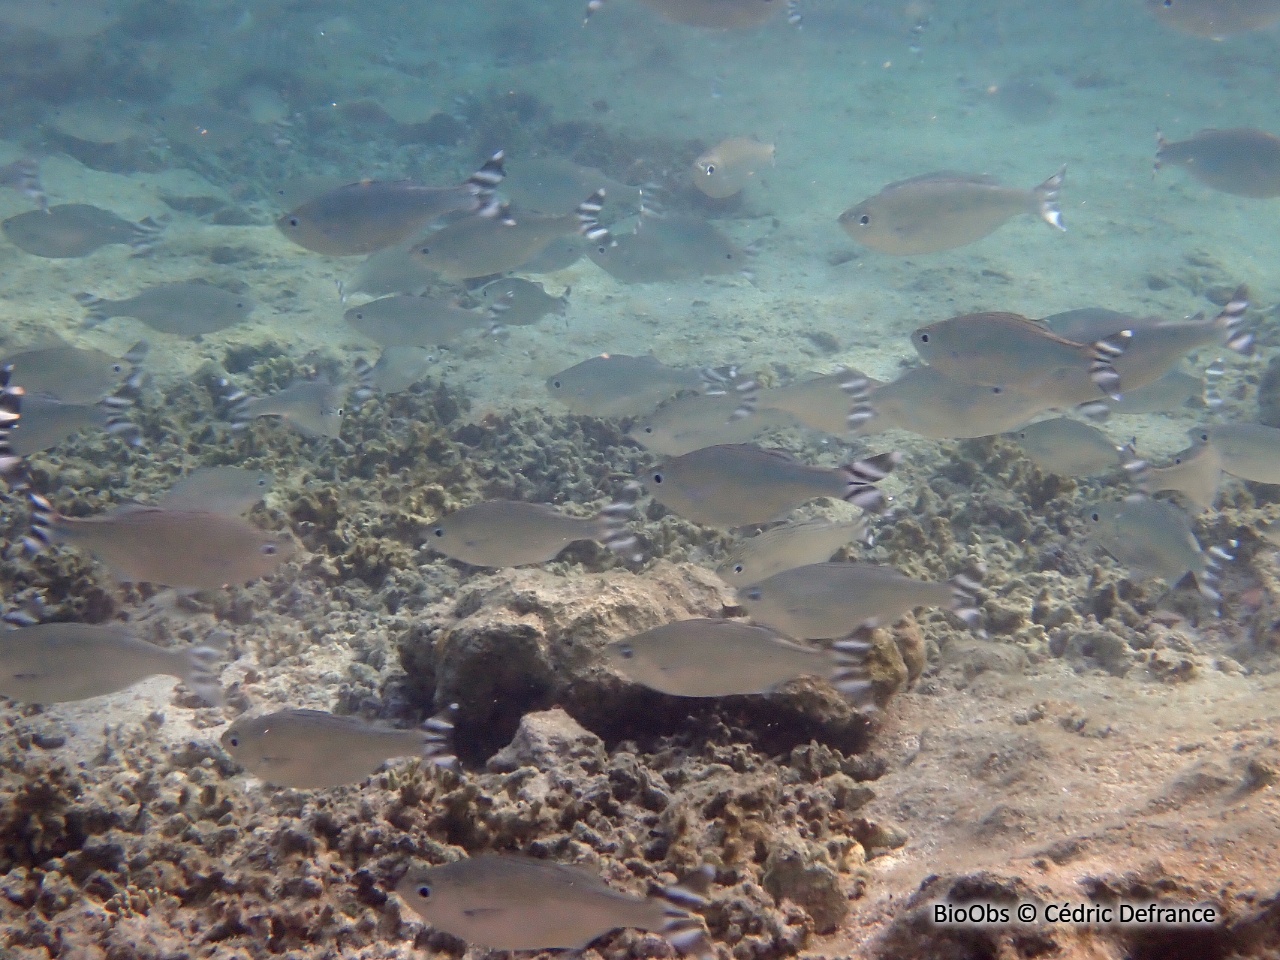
(293, 221)
(1168, 3)
(1095, 516)
(269, 549)
(626, 651)
(997, 390)
(656, 478)
(737, 568)
(709, 169)
(556, 384)
(424, 892)
(360, 315)
(117, 368)
(438, 531)
(339, 412)
(233, 741)
(425, 251)
(924, 338)
(239, 305)
(864, 220)
(648, 430)
(262, 481)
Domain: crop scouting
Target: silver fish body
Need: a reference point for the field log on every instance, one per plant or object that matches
(1250, 451)
(926, 402)
(1068, 447)
(788, 546)
(403, 320)
(47, 421)
(733, 485)
(730, 165)
(313, 407)
(192, 549)
(72, 230)
(1194, 473)
(228, 491)
(687, 423)
(63, 662)
(828, 600)
(1153, 538)
(314, 750)
(941, 211)
(617, 385)
(74, 374)
(1240, 161)
(509, 902)
(724, 658)
(185, 309)
(513, 533)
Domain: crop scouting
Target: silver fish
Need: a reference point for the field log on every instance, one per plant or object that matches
(481, 246)
(788, 546)
(725, 658)
(397, 369)
(1008, 350)
(692, 421)
(372, 215)
(941, 211)
(229, 491)
(1250, 451)
(61, 662)
(821, 403)
(733, 485)
(186, 309)
(314, 750)
(825, 600)
(1154, 539)
(514, 301)
(617, 385)
(71, 230)
(554, 185)
(188, 549)
(508, 902)
(730, 165)
(512, 533)
(663, 249)
(312, 407)
(930, 404)
(1068, 447)
(1216, 19)
(47, 421)
(1194, 473)
(74, 374)
(389, 271)
(416, 321)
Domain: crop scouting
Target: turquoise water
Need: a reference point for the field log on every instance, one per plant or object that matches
(1099, 705)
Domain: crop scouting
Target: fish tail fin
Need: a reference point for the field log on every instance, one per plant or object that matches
(116, 421)
(363, 371)
(1137, 469)
(964, 599)
(1212, 376)
(43, 518)
(613, 521)
(437, 737)
(588, 213)
(146, 234)
(94, 309)
(204, 664)
(483, 185)
(1231, 322)
(861, 477)
(234, 403)
(10, 416)
(1103, 355)
(729, 381)
(1097, 411)
(850, 658)
(683, 928)
(1046, 199)
(1209, 581)
(135, 357)
(858, 389)
(24, 176)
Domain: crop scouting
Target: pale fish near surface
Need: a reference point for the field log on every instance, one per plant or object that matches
(734, 485)
(512, 902)
(371, 215)
(191, 549)
(826, 600)
(725, 658)
(1216, 19)
(1240, 161)
(941, 211)
(184, 309)
(314, 750)
(512, 533)
(1154, 539)
(62, 662)
(730, 165)
(788, 546)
